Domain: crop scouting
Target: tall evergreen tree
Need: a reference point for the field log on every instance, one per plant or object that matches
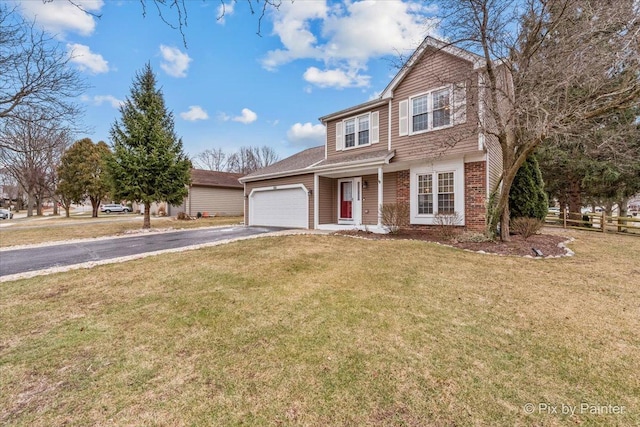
(81, 174)
(148, 163)
(527, 197)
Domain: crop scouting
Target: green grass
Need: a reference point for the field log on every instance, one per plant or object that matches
(326, 330)
(28, 231)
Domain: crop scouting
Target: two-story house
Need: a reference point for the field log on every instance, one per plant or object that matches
(420, 142)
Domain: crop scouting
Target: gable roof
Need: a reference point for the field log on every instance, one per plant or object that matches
(387, 93)
(296, 164)
(431, 42)
(207, 178)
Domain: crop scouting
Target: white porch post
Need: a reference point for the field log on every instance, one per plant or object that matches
(380, 196)
(316, 198)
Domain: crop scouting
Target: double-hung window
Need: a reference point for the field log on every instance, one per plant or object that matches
(358, 131)
(431, 110)
(420, 113)
(350, 133)
(425, 194)
(441, 100)
(446, 203)
(441, 185)
(363, 130)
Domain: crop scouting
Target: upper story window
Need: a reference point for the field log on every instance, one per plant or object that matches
(357, 131)
(363, 130)
(432, 110)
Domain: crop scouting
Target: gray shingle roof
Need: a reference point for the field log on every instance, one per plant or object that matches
(298, 161)
(215, 178)
(312, 159)
(371, 155)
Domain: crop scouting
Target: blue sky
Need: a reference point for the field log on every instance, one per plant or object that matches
(230, 87)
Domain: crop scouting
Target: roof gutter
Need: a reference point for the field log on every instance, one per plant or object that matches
(332, 167)
(354, 110)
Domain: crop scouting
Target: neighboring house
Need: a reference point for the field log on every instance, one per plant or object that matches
(213, 192)
(419, 142)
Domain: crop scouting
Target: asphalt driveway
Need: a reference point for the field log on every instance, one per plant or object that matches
(37, 258)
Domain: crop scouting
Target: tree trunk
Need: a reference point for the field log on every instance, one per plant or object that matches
(147, 216)
(95, 204)
(56, 212)
(575, 199)
(29, 204)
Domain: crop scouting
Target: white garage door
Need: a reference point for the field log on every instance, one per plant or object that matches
(288, 207)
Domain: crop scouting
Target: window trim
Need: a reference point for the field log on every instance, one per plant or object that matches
(435, 193)
(429, 95)
(356, 120)
(456, 166)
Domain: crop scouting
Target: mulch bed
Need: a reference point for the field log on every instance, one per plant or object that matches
(547, 244)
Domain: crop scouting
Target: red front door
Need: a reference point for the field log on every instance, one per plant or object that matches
(346, 200)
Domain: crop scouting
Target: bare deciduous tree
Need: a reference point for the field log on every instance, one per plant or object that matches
(552, 67)
(33, 158)
(37, 83)
(174, 13)
(249, 159)
(212, 159)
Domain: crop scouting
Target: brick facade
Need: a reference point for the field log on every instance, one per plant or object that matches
(475, 189)
(402, 184)
(475, 195)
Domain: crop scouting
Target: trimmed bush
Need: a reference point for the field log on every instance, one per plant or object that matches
(527, 197)
(395, 216)
(526, 227)
(447, 225)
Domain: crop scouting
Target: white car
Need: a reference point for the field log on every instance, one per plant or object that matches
(114, 207)
(6, 214)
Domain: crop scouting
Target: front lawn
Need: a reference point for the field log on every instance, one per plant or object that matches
(328, 330)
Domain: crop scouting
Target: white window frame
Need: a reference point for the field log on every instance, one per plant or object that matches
(429, 96)
(454, 166)
(373, 130)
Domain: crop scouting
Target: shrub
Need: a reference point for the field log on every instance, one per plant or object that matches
(527, 197)
(183, 216)
(162, 211)
(447, 225)
(395, 215)
(526, 227)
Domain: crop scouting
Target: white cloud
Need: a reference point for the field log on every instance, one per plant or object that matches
(195, 113)
(101, 99)
(175, 61)
(347, 36)
(306, 134)
(224, 10)
(87, 60)
(246, 117)
(335, 78)
(61, 16)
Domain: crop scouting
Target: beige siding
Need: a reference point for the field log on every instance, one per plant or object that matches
(370, 200)
(494, 154)
(383, 112)
(215, 201)
(389, 187)
(306, 180)
(436, 69)
(328, 201)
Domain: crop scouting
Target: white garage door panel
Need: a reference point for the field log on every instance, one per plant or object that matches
(280, 208)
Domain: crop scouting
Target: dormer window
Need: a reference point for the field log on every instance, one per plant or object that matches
(357, 131)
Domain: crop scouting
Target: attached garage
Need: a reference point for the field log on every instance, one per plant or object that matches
(280, 206)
